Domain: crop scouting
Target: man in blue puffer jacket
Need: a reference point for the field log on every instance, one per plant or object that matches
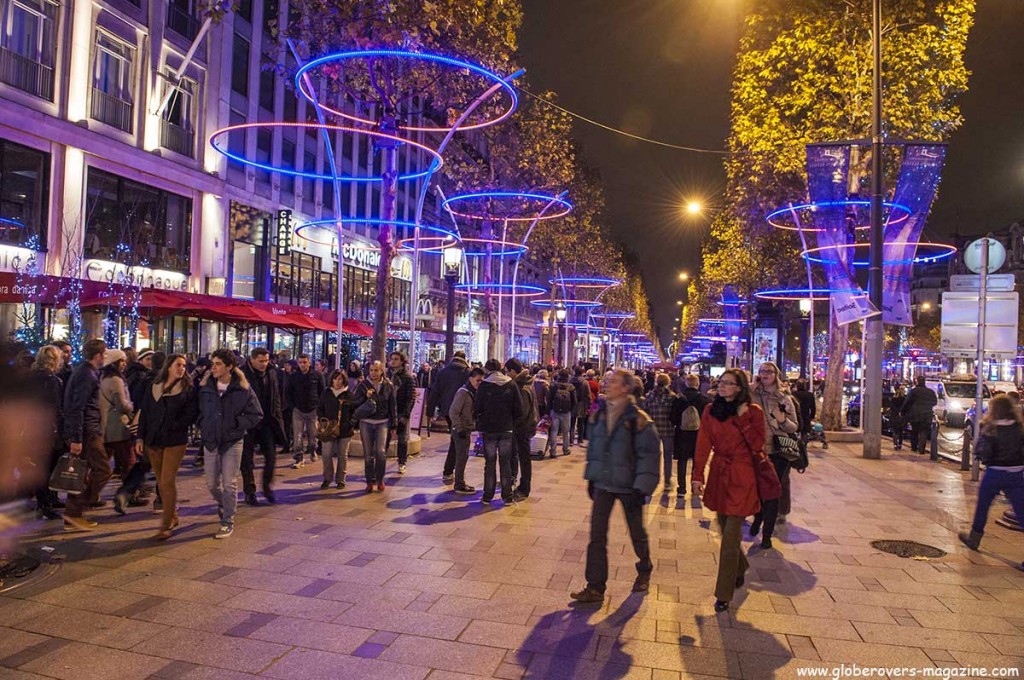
(623, 453)
(228, 409)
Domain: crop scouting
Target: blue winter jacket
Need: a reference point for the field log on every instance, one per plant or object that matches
(224, 420)
(629, 458)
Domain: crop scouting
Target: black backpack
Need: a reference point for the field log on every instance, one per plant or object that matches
(561, 399)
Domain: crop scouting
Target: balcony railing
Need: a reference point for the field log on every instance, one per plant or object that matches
(26, 74)
(177, 139)
(112, 110)
(181, 22)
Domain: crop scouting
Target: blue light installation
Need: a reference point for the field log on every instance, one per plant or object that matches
(773, 217)
(500, 289)
(455, 64)
(568, 304)
(219, 141)
(303, 230)
(585, 281)
(941, 252)
(793, 294)
(543, 199)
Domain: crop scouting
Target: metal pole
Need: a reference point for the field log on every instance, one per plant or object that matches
(871, 398)
(449, 332)
(965, 463)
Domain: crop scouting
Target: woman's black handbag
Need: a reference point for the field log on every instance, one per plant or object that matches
(785, 447)
(69, 475)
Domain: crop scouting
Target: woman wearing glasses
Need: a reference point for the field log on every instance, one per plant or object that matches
(781, 420)
(733, 428)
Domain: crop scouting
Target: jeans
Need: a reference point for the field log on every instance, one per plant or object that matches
(221, 472)
(303, 422)
(165, 462)
(560, 422)
(95, 457)
(770, 510)
(667, 451)
(498, 446)
(460, 443)
(732, 562)
(335, 450)
(520, 463)
(263, 437)
(374, 437)
(992, 482)
(402, 444)
(597, 549)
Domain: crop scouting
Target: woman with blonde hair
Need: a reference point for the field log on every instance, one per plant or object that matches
(780, 417)
(46, 383)
(1001, 449)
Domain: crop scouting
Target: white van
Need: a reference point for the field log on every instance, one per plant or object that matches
(956, 395)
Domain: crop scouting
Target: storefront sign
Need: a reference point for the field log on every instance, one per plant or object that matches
(284, 232)
(15, 259)
(365, 257)
(112, 272)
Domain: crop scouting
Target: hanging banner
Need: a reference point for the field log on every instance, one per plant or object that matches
(731, 308)
(915, 190)
(828, 169)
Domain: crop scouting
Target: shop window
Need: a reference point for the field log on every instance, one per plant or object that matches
(135, 224)
(112, 100)
(248, 229)
(240, 65)
(28, 46)
(24, 187)
(296, 279)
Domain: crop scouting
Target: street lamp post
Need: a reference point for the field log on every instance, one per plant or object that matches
(452, 256)
(806, 305)
(871, 398)
(560, 313)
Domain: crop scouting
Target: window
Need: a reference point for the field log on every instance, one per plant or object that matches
(181, 18)
(267, 82)
(287, 162)
(135, 224)
(295, 279)
(264, 146)
(245, 9)
(270, 8)
(248, 228)
(28, 46)
(24, 193)
(177, 131)
(240, 65)
(236, 138)
(112, 82)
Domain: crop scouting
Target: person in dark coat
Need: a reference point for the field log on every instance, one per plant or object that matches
(84, 434)
(305, 386)
(449, 380)
(523, 429)
(623, 455)
(376, 410)
(334, 423)
(405, 399)
(919, 410)
(229, 409)
(49, 389)
(686, 423)
(265, 382)
(808, 407)
(896, 422)
(496, 409)
(168, 408)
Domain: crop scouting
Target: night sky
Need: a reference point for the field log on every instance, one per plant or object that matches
(662, 69)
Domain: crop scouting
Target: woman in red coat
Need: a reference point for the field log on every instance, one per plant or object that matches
(733, 427)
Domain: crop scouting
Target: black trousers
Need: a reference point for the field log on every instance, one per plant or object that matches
(920, 433)
(769, 514)
(898, 426)
(597, 549)
(449, 461)
(262, 437)
(686, 446)
(581, 429)
(521, 463)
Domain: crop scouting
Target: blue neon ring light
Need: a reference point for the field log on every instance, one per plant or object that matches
(321, 224)
(568, 304)
(794, 294)
(567, 207)
(585, 281)
(423, 56)
(435, 164)
(831, 204)
(943, 251)
(500, 289)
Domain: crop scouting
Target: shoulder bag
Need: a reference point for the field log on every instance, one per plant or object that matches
(769, 488)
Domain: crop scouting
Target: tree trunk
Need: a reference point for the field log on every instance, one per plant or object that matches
(832, 397)
(389, 191)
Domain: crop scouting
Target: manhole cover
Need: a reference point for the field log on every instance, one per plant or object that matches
(908, 549)
(15, 567)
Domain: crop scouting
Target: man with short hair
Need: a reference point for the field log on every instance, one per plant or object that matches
(561, 404)
(263, 379)
(524, 428)
(686, 415)
(463, 423)
(919, 409)
(82, 429)
(622, 465)
(449, 380)
(305, 387)
(578, 427)
(496, 410)
(405, 398)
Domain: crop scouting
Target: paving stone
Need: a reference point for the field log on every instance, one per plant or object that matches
(318, 665)
(206, 649)
(404, 621)
(93, 628)
(444, 655)
(328, 637)
(287, 605)
(14, 644)
(75, 661)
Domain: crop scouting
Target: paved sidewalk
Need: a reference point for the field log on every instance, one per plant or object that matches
(418, 582)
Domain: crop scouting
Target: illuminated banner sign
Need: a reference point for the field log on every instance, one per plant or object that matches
(366, 257)
(105, 271)
(21, 260)
(284, 232)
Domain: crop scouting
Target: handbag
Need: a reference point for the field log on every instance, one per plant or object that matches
(769, 488)
(69, 475)
(328, 430)
(785, 447)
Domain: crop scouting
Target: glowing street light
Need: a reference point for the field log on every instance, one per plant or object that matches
(684, 276)
(694, 208)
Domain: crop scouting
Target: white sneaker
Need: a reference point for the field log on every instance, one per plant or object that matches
(298, 465)
(224, 531)
(401, 469)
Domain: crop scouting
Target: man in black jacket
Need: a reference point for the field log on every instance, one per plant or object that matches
(264, 380)
(524, 428)
(405, 398)
(449, 380)
(919, 411)
(497, 408)
(305, 386)
(82, 429)
(687, 428)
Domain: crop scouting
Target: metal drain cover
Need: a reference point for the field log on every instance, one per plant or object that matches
(908, 549)
(16, 568)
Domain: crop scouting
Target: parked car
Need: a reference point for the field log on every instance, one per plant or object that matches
(853, 415)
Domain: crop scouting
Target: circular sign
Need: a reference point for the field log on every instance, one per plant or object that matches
(996, 255)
